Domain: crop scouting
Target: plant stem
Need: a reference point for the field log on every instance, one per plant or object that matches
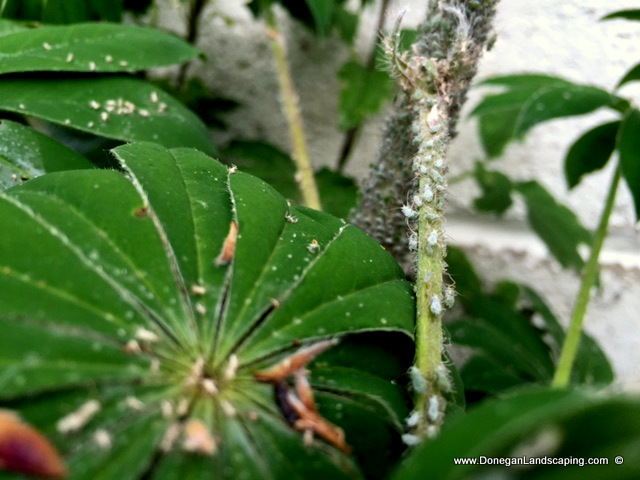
(195, 10)
(572, 340)
(300, 153)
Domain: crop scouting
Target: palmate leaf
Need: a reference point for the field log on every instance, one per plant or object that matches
(89, 47)
(116, 299)
(560, 425)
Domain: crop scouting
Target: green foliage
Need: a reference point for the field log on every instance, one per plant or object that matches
(515, 338)
(123, 292)
(338, 193)
(364, 90)
(537, 422)
(496, 190)
(629, 150)
(590, 152)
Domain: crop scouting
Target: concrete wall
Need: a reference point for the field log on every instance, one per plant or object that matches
(561, 38)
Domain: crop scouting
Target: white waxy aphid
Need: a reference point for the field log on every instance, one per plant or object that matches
(200, 308)
(432, 239)
(413, 419)
(145, 335)
(427, 194)
(433, 409)
(22, 106)
(78, 418)
(134, 403)
(67, 121)
(92, 66)
(123, 63)
(166, 408)
(104, 116)
(69, 58)
(108, 58)
(232, 367)
(170, 436)
(290, 218)
(198, 289)
(102, 439)
(438, 163)
(410, 440)
(209, 386)
(408, 212)
(449, 297)
(417, 380)
(154, 97)
(423, 169)
(314, 246)
(162, 107)
(228, 409)
(417, 200)
(435, 306)
(442, 378)
(90, 124)
(233, 169)
(183, 407)
(132, 347)
(47, 46)
(413, 242)
(93, 104)
(436, 177)
(143, 113)
(432, 431)
(427, 277)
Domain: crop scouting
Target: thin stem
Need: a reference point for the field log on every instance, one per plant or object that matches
(195, 10)
(304, 174)
(572, 341)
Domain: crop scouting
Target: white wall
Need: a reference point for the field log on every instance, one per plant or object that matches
(561, 38)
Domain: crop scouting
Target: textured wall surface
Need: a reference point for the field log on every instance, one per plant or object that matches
(560, 38)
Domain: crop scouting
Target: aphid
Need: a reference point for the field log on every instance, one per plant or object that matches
(132, 347)
(104, 116)
(442, 378)
(102, 439)
(183, 407)
(92, 66)
(418, 382)
(410, 440)
(108, 58)
(432, 431)
(228, 409)
(438, 163)
(432, 239)
(436, 177)
(145, 335)
(90, 124)
(47, 46)
(417, 200)
(229, 245)
(232, 169)
(449, 297)
(69, 58)
(413, 242)
(198, 439)
(162, 107)
(166, 408)
(123, 63)
(154, 97)
(209, 386)
(198, 289)
(290, 218)
(141, 212)
(171, 434)
(413, 419)
(435, 306)
(232, 367)
(79, 418)
(313, 246)
(67, 121)
(26, 451)
(143, 113)
(133, 403)
(408, 212)
(200, 308)
(433, 410)
(427, 194)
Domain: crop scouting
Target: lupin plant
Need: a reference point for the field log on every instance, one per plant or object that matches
(434, 78)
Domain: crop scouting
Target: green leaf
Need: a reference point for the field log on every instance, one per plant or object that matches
(496, 190)
(115, 107)
(322, 12)
(631, 14)
(89, 47)
(572, 425)
(527, 101)
(26, 154)
(117, 296)
(556, 225)
(632, 75)
(629, 149)
(338, 193)
(346, 23)
(590, 152)
(364, 91)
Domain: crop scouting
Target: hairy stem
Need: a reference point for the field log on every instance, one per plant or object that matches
(589, 275)
(300, 153)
